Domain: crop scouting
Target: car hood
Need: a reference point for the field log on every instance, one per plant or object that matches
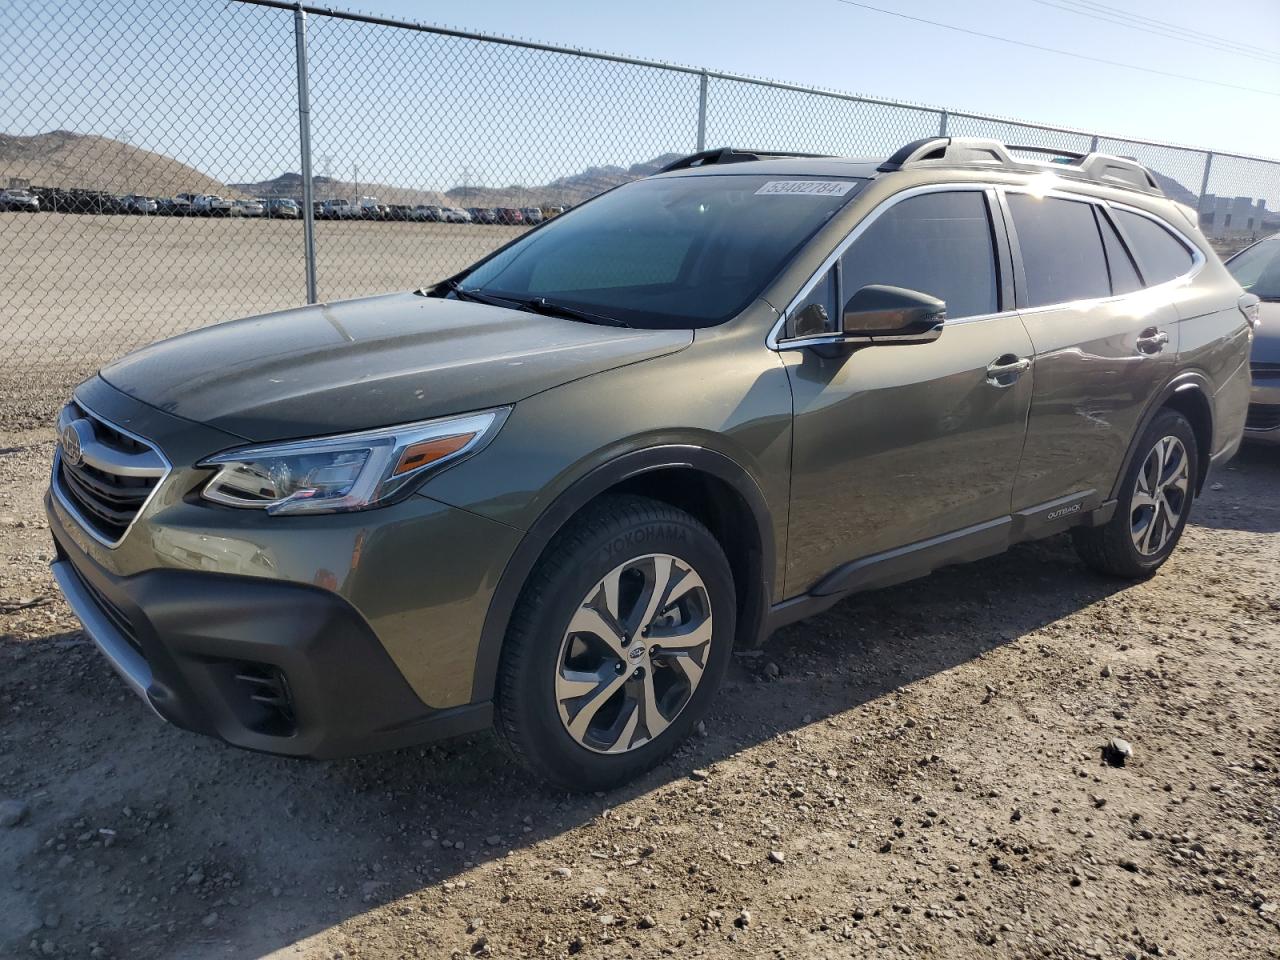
(1266, 339)
(373, 362)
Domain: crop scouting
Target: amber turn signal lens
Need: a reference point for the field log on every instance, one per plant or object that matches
(429, 451)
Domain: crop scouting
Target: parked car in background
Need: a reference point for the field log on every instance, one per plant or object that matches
(338, 208)
(427, 213)
(248, 208)
(172, 206)
(549, 212)
(317, 210)
(508, 216)
(211, 205)
(483, 215)
(283, 208)
(1257, 269)
(455, 215)
(532, 216)
(371, 208)
(137, 203)
(19, 200)
(840, 374)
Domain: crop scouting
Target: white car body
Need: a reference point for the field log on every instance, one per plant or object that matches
(455, 215)
(211, 205)
(248, 208)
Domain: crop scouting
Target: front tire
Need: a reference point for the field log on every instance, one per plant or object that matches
(620, 638)
(1155, 501)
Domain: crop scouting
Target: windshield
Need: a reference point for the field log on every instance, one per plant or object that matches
(1257, 269)
(677, 252)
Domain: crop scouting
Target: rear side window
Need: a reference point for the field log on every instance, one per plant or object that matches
(1124, 276)
(936, 243)
(1161, 256)
(1061, 249)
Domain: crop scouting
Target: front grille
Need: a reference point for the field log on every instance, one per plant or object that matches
(109, 479)
(1263, 416)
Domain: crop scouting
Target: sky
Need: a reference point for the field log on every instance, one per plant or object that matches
(212, 82)
(830, 44)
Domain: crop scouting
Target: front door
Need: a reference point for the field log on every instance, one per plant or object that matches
(897, 444)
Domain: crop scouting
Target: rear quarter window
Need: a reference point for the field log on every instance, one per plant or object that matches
(1161, 256)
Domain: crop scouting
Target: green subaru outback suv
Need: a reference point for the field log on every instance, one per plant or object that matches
(555, 491)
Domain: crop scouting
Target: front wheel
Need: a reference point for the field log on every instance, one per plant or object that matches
(1154, 503)
(617, 645)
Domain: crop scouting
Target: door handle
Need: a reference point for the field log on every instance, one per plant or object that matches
(1005, 371)
(1152, 341)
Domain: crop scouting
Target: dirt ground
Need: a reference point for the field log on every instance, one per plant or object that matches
(917, 772)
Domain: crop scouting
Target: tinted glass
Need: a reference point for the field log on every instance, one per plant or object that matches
(807, 323)
(936, 243)
(1257, 269)
(666, 253)
(1061, 249)
(1124, 276)
(1161, 256)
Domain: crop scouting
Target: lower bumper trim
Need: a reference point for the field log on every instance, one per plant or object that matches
(125, 660)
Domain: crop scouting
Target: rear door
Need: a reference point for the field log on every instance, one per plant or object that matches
(1104, 347)
(894, 444)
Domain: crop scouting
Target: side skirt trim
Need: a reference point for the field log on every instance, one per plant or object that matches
(925, 556)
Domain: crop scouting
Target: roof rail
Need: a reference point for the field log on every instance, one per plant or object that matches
(729, 155)
(972, 151)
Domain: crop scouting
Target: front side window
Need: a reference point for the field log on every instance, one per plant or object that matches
(1257, 269)
(936, 243)
(666, 253)
(817, 313)
(1161, 256)
(1061, 248)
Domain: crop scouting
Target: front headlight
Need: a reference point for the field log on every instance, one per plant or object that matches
(354, 471)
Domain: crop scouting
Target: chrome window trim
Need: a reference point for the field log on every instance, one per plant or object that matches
(55, 484)
(1198, 258)
(774, 341)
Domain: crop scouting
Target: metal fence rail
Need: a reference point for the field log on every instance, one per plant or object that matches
(115, 108)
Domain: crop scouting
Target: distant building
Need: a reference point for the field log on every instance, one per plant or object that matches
(1231, 216)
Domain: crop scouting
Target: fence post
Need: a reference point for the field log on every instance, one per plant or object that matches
(1204, 181)
(942, 123)
(304, 144)
(702, 112)
(1093, 144)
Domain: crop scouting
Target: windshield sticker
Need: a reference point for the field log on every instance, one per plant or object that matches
(825, 188)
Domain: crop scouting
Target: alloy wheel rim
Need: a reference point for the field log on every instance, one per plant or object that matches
(633, 653)
(1159, 496)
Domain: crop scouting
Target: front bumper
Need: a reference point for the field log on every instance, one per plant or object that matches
(1263, 423)
(267, 665)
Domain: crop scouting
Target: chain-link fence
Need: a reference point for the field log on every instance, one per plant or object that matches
(156, 155)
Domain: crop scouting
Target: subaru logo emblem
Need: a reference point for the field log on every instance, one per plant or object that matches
(636, 652)
(69, 440)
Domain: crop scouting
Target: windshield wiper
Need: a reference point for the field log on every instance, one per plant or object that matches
(544, 306)
(455, 287)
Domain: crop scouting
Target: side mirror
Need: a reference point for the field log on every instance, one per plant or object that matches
(884, 314)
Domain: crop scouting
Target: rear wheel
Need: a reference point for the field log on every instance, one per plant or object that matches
(1154, 504)
(617, 644)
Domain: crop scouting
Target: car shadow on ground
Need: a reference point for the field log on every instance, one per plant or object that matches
(267, 851)
(1245, 494)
